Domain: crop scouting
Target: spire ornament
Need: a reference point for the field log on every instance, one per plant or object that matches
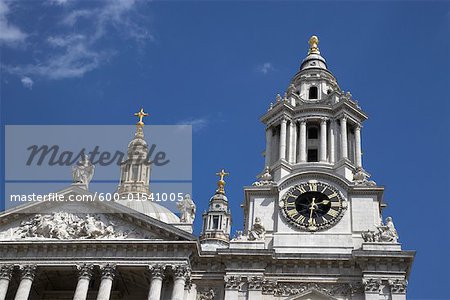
(140, 114)
(313, 45)
(221, 182)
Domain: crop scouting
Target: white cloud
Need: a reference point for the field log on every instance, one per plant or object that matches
(197, 124)
(9, 34)
(74, 54)
(27, 82)
(265, 68)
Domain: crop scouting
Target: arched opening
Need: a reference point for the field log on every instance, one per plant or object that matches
(313, 92)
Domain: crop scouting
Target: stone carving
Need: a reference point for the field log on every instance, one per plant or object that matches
(63, 225)
(181, 271)
(187, 208)
(372, 284)
(207, 294)
(398, 286)
(85, 271)
(233, 282)
(157, 271)
(239, 236)
(255, 283)
(278, 98)
(264, 179)
(386, 233)
(27, 271)
(108, 271)
(6, 271)
(289, 289)
(83, 171)
(361, 178)
(258, 231)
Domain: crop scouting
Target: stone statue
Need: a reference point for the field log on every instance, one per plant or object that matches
(386, 233)
(187, 208)
(258, 231)
(83, 171)
(361, 178)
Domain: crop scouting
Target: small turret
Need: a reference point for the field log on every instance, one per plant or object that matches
(217, 220)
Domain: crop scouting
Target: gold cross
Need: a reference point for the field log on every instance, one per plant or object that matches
(221, 183)
(141, 114)
(222, 174)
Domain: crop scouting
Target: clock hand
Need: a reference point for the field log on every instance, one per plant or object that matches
(311, 208)
(325, 202)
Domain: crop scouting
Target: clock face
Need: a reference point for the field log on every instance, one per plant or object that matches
(313, 206)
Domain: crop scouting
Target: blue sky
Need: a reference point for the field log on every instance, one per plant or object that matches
(218, 65)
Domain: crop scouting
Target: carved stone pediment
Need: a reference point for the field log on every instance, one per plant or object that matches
(65, 226)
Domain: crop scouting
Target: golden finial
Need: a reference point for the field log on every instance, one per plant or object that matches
(141, 114)
(221, 182)
(313, 42)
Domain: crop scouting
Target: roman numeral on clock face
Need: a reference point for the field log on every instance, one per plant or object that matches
(333, 213)
(313, 187)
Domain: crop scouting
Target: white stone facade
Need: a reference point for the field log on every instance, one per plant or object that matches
(313, 223)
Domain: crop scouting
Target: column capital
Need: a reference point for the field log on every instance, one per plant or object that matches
(181, 271)
(85, 271)
(302, 121)
(344, 118)
(398, 286)
(108, 271)
(233, 282)
(372, 285)
(6, 271)
(157, 271)
(283, 120)
(323, 120)
(358, 126)
(27, 271)
(255, 282)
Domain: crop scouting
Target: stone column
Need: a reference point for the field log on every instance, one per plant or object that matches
(254, 288)
(398, 289)
(332, 141)
(344, 144)
(156, 280)
(5, 277)
(180, 275)
(302, 141)
(323, 140)
(372, 288)
(292, 142)
(358, 159)
(27, 274)
(84, 276)
(232, 286)
(108, 273)
(268, 146)
(283, 140)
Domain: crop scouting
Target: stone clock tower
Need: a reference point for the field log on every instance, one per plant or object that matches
(321, 215)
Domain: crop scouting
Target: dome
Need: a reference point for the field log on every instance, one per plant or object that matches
(219, 196)
(151, 209)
